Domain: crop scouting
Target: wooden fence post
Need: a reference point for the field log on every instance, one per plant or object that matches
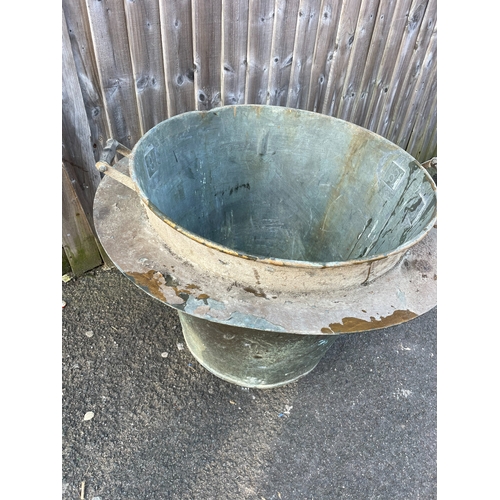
(80, 177)
(78, 239)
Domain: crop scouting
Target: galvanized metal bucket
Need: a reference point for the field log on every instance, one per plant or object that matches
(279, 200)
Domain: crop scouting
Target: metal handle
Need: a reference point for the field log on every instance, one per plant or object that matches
(104, 164)
(431, 167)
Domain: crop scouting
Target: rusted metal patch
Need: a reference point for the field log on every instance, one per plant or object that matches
(150, 281)
(164, 289)
(257, 293)
(353, 325)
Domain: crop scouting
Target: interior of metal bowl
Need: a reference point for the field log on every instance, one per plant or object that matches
(283, 183)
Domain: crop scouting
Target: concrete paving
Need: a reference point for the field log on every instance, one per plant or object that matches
(361, 425)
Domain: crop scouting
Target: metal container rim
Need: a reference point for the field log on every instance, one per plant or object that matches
(271, 260)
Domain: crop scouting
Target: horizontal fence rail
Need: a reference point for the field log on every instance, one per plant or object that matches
(130, 64)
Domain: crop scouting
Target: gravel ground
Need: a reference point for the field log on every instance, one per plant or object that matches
(361, 425)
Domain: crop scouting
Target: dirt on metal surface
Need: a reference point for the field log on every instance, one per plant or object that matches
(361, 425)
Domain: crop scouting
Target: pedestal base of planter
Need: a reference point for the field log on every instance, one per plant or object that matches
(252, 358)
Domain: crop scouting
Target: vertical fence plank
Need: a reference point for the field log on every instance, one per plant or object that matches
(280, 66)
(421, 97)
(207, 38)
(323, 53)
(351, 89)
(343, 48)
(260, 35)
(109, 33)
(144, 34)
(76, 136)
(368, 86)
(234, 50)
(422, 142)
(424, 123)
(427, 148)
(66, 266)
(177, 42)
(416, 73)
(382, 116)
(390, 47)
(82, 47)
(78, 239)
(305, 38)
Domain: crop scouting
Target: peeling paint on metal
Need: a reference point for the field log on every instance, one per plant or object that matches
(149, 281)
(154, 283)
(353, 325)
(202, 310)
(250, 321)
(257, 293)
(401, 296)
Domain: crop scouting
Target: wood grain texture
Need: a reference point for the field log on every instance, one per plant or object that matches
(109, 34)
(75, 13)
(207, 45)
(78, 239)
(426, 148)
(383, 73)
(343, 47)
(423, 119)
(417, 75)
(260, 35)
(234, 50)
(400, 60)
(422, 143)
(144, 34)
(303, 53)
(66, 266)
(421, 100)
(177, 43)
(323, 54)
(352, 88)
(282, 47)
(76, 135)
(369, 85)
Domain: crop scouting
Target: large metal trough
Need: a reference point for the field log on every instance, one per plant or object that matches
(281, 205)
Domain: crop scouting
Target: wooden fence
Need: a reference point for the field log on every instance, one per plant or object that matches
(130, 64)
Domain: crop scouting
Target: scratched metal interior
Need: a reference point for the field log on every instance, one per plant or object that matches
(286, 184)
